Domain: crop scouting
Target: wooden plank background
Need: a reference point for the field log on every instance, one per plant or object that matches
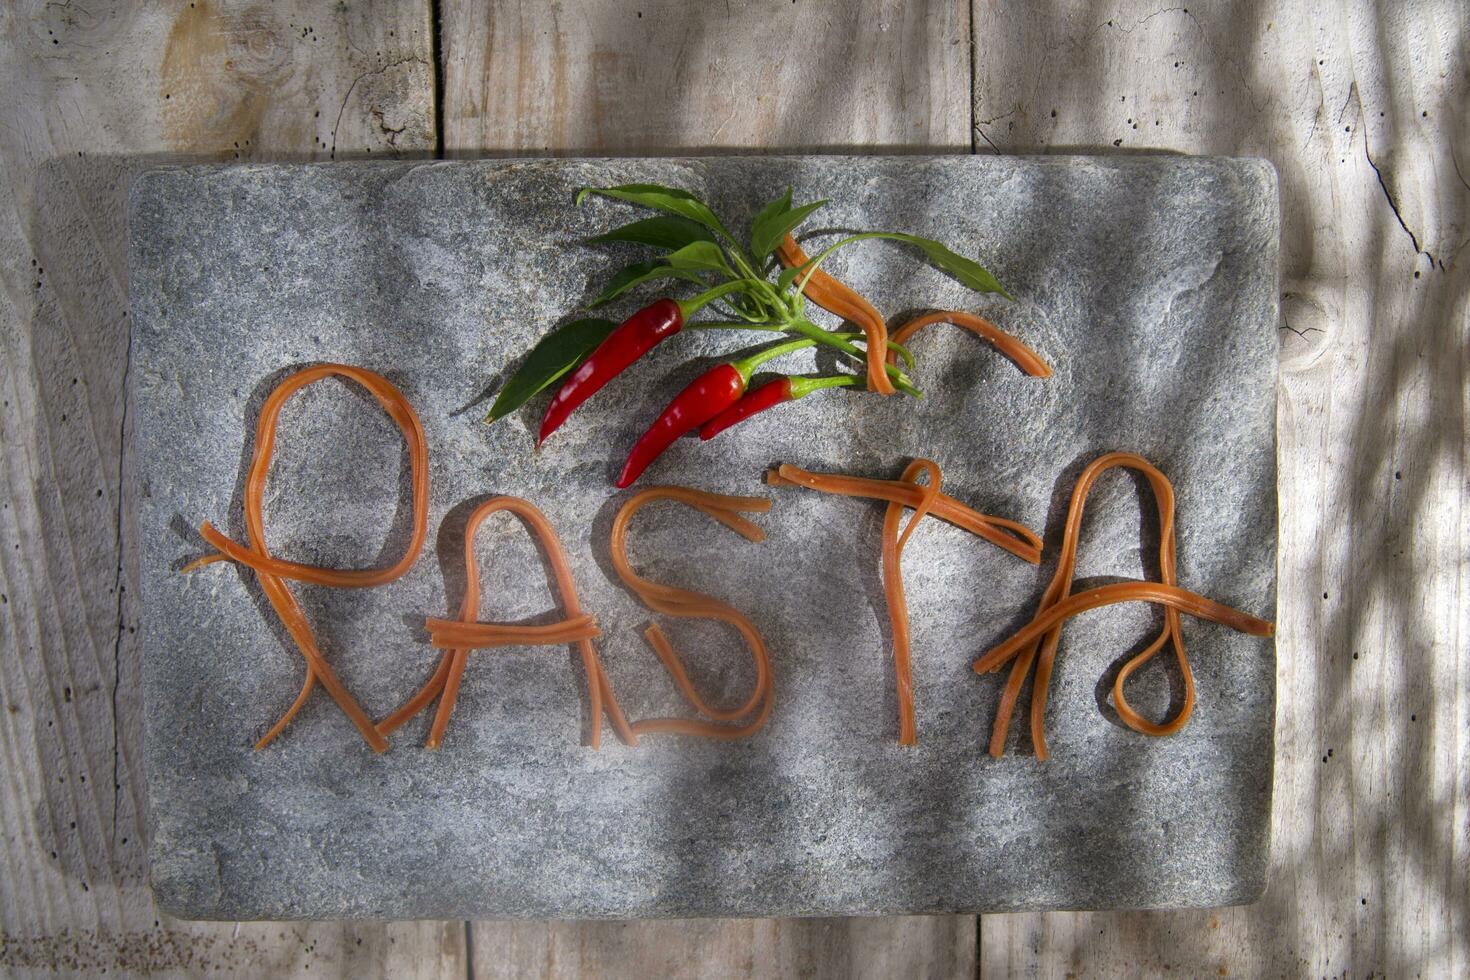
(1362, 108)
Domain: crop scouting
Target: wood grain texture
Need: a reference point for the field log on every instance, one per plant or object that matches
(94, 93)
(727, 949)
(1362, 109)
(659, 76)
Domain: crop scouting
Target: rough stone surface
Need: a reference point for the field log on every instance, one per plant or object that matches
(1151, 285)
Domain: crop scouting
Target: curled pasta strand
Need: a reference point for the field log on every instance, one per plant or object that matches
(686, 603)
(898, 610)
(448, 634)
(924, 499)
(273, 573)
(1022, 356)
(458, 637)
(1009, 535)
(1036, 643)
(842, 300)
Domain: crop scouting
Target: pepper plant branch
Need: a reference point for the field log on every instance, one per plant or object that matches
(803, 386)
(809, 329)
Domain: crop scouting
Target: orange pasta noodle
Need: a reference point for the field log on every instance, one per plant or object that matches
(898, 609)
(1037, 642)
(458, 637)
(1014, 537)
(1024, 357)
(842, 300)
(926, 499)
(686, 603)
(273, 573)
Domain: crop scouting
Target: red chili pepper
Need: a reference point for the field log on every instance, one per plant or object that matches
(783, 389)
(705, 397)
(768, 395)
(633, 338)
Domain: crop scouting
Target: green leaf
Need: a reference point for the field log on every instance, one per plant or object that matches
(670, 200)
(768, 214)
(641, 272)
(699, 255)
(666, 232)
(967, 271)
(789, 276)
(553, 356)
(771, 225)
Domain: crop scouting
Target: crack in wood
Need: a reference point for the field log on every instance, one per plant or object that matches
(347, 95)
(117, 582)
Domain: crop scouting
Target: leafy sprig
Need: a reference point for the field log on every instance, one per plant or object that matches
(733, 275)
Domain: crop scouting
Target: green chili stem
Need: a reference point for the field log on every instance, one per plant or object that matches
(903, 352)
(746, 308)
(735, 325)
(808, 329)
(737, 252)
(746, 366)
(688, 307)
(801, 386)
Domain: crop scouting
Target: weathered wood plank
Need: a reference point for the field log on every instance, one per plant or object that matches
(658, 76)
(878, 948)
(1362, 109)
(94, 93)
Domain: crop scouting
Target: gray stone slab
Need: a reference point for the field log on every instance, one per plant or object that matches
(1149, 282)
